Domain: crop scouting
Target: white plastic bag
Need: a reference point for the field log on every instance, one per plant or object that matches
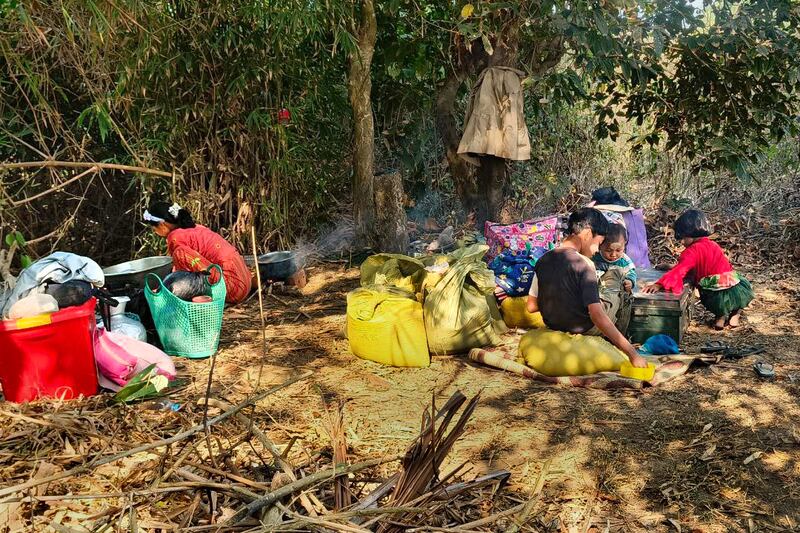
(129, 325)
(33, 305)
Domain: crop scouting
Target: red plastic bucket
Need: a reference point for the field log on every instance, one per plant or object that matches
(49, 355)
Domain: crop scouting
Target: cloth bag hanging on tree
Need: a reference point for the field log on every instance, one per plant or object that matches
(495, 121)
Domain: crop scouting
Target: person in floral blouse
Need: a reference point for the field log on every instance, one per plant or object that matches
(723, 291)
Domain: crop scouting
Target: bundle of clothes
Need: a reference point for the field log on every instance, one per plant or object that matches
(55, 282)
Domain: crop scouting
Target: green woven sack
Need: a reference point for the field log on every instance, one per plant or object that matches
(187, 329)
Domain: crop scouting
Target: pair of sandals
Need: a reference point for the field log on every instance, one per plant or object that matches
(762, 368)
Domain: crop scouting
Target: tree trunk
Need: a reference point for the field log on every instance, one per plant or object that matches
(480, 190)
(492, 177)
(460, 171)
(391, 232)
(359, 89)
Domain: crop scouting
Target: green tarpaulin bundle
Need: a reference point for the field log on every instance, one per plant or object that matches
(460, 311)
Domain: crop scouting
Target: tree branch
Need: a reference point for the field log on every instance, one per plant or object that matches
(54, 188)
(78, 164)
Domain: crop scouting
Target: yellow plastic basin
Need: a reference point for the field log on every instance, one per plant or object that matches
(644, 374)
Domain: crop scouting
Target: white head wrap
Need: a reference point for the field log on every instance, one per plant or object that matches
(174, 209)
(151, 218)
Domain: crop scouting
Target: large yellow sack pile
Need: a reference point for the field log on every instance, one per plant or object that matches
(555, 353)
(516, 315)
(409, 307)
(387, 327)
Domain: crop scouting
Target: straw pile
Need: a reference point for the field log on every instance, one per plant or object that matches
(92, 465)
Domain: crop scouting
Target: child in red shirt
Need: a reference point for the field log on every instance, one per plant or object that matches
(723, 291)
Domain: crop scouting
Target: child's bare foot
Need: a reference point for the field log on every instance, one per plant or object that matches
(719, 323)
(735, 318)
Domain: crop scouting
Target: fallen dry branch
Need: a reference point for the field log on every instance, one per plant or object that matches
(54, 188)
(326, 474)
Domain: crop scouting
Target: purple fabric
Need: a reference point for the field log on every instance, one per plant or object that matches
(637, 248)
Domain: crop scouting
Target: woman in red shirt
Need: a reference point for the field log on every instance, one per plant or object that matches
(723, 291)
(194, 248)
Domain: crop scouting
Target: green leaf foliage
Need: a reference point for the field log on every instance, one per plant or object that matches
(196, 86)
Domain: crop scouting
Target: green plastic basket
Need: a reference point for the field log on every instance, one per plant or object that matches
(187, 329)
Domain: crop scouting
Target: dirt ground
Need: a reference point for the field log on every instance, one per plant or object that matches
(715, 450)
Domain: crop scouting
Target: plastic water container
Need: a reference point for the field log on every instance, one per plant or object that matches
(49, 355)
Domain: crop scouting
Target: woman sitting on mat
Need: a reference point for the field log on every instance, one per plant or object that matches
(194, 248)
(723, 291)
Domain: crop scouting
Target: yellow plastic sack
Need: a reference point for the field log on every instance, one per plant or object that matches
(555, 353)
(386, 327)
(516, 315)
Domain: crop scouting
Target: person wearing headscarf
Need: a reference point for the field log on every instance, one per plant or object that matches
(194, 248)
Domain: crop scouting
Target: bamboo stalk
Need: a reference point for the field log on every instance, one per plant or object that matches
(79, 164)
(146, 447)
(54, 188)
(264, 349)
(325, 474)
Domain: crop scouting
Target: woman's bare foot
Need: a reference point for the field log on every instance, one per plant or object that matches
(719, 323)
(735, 318)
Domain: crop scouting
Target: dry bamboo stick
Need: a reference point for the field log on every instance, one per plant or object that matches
(54, 188)
(264, 350)
(326, 522)
(528, 508)
(232, 477)
(146, 447)
(372, 499)
(326, 474)
(79, 164)
(172, 487)
(470, 527)
(346, 515)
(191, 477)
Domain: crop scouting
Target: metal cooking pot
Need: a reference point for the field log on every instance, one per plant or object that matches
(131, 274)
(275, 265)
